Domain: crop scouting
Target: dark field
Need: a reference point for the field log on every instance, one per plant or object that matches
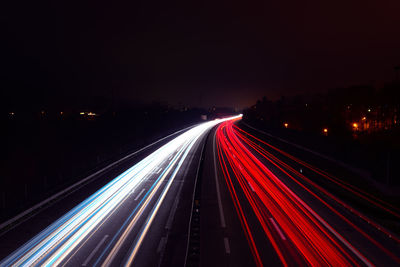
(45, 153)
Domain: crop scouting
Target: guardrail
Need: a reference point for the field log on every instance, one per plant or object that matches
(23, 216)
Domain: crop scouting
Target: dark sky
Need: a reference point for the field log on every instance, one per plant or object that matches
(201, 53)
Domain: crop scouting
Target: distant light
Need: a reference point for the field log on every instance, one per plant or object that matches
(61, 113)
(355, 125)
(91, 114)
(286, 124)
(42, 112)
(325, 130)
(369, 110)
(364, 118)
(11, 113)
(82, 113)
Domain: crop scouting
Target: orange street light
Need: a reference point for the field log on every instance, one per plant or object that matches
(325, 130)
(355, 125)
(286, 124)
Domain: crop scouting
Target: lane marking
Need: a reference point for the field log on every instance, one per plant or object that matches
(251, 187)
(94, 251)
(277, 228)
(132, 223)
(95, 231)
(358, 171)
(324, 223)
(160, 169)
(173, 166)
(141, 192)
(76, 185)
(221, 211)
(132, 191)
(177, 162)
(94, 217)
(227, 248)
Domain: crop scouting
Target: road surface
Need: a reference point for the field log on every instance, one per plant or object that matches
(266, 207)
(216, 195)
(126, 221)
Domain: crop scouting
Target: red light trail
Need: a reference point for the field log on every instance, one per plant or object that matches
(295, 230)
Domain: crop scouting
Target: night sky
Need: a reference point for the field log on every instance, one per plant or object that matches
(198, 53)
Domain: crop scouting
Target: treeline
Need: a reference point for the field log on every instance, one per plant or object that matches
(358, 125)
(342, 112)
(45, 150)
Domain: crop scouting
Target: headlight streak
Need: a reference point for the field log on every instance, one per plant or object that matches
(128, 229)
(97, 207)
(312, 236)
(56, 259)
(47, 233)
(58, 241)
(150, 218)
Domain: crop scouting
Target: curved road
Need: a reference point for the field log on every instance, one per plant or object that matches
(131, 213)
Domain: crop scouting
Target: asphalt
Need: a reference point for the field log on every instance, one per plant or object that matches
(168, 230)
(371, 248)
(222, 240)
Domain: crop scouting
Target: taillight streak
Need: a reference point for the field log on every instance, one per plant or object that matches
(313, 237)
(278, 163)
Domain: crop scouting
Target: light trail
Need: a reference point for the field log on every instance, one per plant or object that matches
(58, 243)
(375, 201)
(303, 181)
(295, 230)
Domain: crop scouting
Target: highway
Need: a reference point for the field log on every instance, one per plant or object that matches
(269, 208)
(128, 220)
(258, 204)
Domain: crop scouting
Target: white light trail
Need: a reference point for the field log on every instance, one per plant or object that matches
(57, 242)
